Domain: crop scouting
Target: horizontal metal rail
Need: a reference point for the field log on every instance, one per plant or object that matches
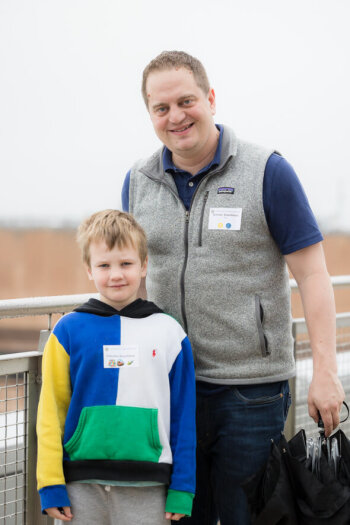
(338, 281)
(343, 319)
(55, 304)
(59, 304)
(29, 364)
(18, 363)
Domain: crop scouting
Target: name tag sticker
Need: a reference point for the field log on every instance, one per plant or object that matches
(225, 218)
(120, 356)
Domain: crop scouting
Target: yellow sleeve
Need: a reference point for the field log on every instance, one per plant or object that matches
(54, 401)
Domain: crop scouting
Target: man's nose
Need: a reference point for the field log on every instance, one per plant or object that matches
(176, 114)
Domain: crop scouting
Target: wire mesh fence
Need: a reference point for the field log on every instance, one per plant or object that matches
(13, 403)
(304, 372)
(19, 393)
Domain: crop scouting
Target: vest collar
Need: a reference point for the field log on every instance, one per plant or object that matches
(154, 168)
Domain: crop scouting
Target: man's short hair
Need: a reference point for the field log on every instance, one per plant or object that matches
(115, 228)
(173, 59)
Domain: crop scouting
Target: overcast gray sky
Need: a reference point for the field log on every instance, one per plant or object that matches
(72, 121)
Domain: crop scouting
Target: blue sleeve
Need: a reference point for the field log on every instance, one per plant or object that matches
(54, 496)
(289, 217)
(125, 192)
(183, 420)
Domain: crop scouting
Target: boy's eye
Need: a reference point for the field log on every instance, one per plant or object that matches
(104, 265)
(126, 263)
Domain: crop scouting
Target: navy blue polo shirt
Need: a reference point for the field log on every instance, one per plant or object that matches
(290, 219)
(187, 183)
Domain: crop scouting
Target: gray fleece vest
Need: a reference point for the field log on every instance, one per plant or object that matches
(216, 268)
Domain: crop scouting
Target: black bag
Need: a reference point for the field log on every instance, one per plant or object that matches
(303, 483)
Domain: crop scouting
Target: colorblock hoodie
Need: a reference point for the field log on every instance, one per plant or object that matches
(117, 403)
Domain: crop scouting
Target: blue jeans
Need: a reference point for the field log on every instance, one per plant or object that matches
(235, 426)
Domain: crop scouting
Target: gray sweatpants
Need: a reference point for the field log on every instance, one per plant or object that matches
(94, 504)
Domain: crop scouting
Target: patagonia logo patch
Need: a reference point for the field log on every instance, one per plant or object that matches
(226, 189)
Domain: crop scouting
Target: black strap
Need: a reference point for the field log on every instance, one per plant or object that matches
(320, 423)
(348, 414)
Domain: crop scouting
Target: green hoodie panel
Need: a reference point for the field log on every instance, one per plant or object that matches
(179, 502)
(116, 432)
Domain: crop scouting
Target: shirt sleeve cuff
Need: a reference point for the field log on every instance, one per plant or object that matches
(54, 496)
(179, 502)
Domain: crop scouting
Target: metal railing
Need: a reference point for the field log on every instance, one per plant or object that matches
(20, 379)
(298, 415)
(19, 394)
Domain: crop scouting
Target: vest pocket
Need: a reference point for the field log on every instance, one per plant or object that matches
(116, 432)
(259, 316)
(206, 195)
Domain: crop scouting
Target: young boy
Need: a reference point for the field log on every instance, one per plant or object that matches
(116, 417)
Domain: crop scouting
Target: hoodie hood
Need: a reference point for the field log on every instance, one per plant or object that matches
(137, 309)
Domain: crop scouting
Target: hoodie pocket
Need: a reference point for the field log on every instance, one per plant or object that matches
(117, 433)
(259, 317)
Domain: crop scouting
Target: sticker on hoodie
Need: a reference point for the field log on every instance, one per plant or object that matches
(120, 356)
(225, 218)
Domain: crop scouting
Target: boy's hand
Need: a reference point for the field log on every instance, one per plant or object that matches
(60, 513)
(174, 517)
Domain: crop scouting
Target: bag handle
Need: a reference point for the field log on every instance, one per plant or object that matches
(348, 414)
(320, 423)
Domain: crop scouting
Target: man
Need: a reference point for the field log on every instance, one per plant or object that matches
(223, 217)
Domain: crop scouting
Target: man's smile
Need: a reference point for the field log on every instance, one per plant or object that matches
(183, 129)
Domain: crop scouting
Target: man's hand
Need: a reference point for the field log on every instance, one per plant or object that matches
(173, 516)
(326, 396)
(326, 393)
(62, 513)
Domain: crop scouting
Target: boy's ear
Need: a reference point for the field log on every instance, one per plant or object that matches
(88, 271)
(144, 267)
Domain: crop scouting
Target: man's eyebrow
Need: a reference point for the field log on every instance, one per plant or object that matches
(159, 105)
(185, 97)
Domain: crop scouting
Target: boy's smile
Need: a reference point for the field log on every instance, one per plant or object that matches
(117, 273)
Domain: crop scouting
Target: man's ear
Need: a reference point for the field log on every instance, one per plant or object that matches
(212, 101)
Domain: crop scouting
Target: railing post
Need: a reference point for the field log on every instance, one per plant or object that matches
(289, 428)
(33, 508)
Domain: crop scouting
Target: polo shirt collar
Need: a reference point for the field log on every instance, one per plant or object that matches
(169, 166)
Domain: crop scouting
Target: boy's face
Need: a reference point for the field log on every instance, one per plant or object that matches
(117, 273)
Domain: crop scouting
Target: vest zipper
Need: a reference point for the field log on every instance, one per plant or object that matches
(206, 195)
(187, 220)
(183, 309)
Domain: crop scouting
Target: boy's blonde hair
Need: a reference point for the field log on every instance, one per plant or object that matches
(115, 228)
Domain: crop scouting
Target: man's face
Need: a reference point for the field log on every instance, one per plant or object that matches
(181, 113)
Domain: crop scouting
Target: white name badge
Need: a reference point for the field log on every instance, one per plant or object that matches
(120, 356)
(225, 218)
